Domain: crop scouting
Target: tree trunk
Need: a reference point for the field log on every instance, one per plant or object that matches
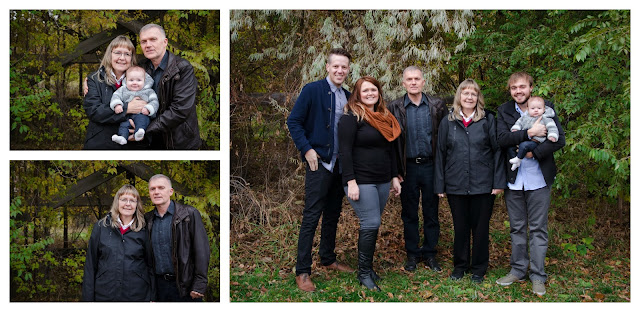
(621, 206)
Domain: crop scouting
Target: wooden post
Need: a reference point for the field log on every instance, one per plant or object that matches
(80, 79)
(65, 234)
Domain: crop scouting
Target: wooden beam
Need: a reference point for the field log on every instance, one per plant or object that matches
(106, 36)
(83, 185)
(145, 172)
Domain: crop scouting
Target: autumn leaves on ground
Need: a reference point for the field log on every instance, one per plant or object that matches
(588, 257)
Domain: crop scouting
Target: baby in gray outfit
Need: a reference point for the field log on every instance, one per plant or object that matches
(136, 84)
(535, 109)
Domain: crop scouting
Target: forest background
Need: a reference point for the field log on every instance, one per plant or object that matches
(50, 59)
(55, 204)
(580, 60)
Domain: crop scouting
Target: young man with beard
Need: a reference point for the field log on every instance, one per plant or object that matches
(528, 192)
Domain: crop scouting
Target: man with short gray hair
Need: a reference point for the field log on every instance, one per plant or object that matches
(180, 245)
(176, 124)
(419, 116)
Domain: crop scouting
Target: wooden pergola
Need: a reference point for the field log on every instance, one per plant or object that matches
(76, 191)
(85, 51)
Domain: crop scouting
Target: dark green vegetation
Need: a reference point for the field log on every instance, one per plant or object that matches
(580, 60)
(52, 51)
(54, 205)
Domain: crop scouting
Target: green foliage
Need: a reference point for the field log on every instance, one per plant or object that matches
(43, 266)
(275, 51)
(45, 102)
(581, 247)
(580, 61)
(27, 260)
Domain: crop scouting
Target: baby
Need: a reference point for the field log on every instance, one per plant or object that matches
(536, 108)
(136, 84)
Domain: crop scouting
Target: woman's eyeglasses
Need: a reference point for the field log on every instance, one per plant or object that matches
(118, 54)
(127, 200)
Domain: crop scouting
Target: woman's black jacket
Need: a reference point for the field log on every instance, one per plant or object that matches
(469, 160)
(103, 122)
(118, 267)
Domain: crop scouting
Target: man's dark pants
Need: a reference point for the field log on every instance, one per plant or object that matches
(419, 179)
(323, 198)
(167, 291)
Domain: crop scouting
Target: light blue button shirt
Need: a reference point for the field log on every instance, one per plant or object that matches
(341, 101)
(529, 176)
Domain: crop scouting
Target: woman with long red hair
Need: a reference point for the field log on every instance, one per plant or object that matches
(366, 132)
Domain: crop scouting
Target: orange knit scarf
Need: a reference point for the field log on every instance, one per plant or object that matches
(387, 125)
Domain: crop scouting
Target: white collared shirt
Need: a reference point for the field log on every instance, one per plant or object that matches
(467, 119)
(124, 227)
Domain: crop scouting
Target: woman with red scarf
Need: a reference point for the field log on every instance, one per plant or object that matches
(365, 136)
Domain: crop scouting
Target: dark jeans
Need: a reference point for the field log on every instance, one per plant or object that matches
(471, 215)
(167, 291)
(140, 120)
(523, 149)
(419, 179)
(323, 198)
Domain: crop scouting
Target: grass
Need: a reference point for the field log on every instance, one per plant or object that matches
(263, 261)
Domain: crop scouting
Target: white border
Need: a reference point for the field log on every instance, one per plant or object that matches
(223, 154)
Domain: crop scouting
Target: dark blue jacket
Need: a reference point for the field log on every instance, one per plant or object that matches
(311, 121)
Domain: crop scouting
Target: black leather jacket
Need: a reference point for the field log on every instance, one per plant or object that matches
(437, 110)
(176, 123)
(190, 248)
(118, 267)
(469, 160)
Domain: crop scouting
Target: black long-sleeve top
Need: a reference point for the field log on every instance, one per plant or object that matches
(365, 155)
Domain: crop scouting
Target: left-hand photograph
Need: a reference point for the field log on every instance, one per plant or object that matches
(114, 80)
(146, 231)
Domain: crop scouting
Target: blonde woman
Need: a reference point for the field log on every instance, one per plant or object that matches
(469, 171)
(103, 122)
(118, 265)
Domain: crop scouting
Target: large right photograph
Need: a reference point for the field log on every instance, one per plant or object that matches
(430, 156)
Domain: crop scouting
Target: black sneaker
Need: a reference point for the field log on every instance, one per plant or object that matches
(456, 275)
(411, 264)
(478, 279)
(432, 263)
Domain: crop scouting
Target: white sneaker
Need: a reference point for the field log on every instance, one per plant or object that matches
(515, 163)
(119, 139)
(139, 135)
